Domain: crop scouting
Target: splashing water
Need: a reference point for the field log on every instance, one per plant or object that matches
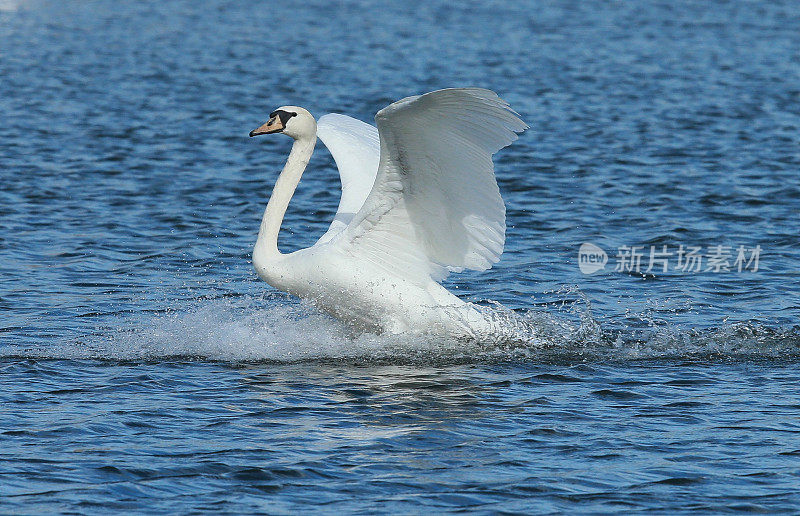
(260, 329)
(128, 185)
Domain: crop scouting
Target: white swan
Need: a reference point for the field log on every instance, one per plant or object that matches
(419, 199)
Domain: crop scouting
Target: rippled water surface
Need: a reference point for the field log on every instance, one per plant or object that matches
(145, 368)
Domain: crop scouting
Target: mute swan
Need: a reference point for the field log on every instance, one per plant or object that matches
(419, 199)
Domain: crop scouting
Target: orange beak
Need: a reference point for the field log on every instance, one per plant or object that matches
(274, 125)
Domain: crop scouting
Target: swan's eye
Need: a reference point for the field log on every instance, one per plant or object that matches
(283, 116)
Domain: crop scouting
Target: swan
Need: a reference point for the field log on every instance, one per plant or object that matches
(419, 200)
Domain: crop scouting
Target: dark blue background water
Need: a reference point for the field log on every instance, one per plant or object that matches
(146, 368)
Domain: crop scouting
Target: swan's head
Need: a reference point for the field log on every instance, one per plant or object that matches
(290, 120)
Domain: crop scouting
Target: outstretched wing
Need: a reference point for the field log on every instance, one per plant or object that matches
(435, 204)
(355, 148)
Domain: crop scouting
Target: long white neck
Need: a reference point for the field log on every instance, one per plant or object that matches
(266, 248)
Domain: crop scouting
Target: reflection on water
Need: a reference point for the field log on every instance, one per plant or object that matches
(145, 368)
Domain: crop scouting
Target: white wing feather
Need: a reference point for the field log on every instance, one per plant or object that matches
(355, 148)
(435, 204)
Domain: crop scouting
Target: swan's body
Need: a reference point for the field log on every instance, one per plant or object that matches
(419, 199)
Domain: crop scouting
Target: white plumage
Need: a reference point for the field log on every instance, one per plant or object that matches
(355, 147)
(419, 199)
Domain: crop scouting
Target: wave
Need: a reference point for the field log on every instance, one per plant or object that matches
(272, 329)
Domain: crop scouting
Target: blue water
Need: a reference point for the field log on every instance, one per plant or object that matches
(145, 368)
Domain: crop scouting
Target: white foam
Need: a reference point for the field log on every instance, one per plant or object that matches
(279, 330)
(269, 329)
